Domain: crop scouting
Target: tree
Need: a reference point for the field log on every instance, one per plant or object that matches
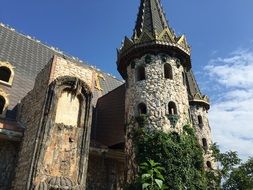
(234, 174)
(240, 178)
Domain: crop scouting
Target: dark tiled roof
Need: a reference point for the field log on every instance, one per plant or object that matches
(193, 87)
(150, 18)
(29, 56)
(110, 117)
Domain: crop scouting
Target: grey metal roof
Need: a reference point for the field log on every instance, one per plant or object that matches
(29, 56)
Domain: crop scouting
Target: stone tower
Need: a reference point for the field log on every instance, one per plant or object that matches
(156, 65)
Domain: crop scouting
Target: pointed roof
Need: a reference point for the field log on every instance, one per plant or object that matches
(194, 94)
(152, 34)
(151, 18)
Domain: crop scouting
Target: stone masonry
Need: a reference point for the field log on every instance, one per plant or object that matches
(156, 92)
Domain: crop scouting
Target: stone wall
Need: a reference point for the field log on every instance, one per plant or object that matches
(203, 131)
(62, 67)
(31, 110)
(156, 92)
(105, 173)
(8, 162)
(47, 144)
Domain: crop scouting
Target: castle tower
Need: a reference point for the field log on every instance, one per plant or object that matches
(155, 64)
(199, 106)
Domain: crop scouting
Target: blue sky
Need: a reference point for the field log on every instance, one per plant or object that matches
(219, 32)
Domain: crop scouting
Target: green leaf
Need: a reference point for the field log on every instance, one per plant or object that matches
(145, 176)
(145, 185)
(159, 183)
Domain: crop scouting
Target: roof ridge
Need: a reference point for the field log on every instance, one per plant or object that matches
(57, 50)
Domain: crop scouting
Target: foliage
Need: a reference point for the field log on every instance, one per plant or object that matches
(141, 120)
(180, 155)
(180, 162)
(241, 178)
(152, 178)
(236, 175)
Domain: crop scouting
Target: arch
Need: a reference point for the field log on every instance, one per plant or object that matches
(204, 143)
(168, 74)
(209, 164)
(2, 104)
(6, 73)
(72, 99)
(142, 109)
(200, 121)
(140, 73)
(172, 108)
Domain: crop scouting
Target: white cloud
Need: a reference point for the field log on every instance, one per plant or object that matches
(231, 116)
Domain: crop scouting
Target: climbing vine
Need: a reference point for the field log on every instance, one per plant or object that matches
(180, 155)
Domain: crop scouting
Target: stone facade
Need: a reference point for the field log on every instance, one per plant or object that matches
(156, 92)
(55, 145)
(31, 110)
(203, 131)
(8, 162)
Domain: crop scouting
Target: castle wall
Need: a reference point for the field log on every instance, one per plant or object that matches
(203, 131)
(31, 110)
(63, 67)
(156, 92)
(8, 161)
(53, 148)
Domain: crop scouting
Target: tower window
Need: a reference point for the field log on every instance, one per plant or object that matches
(168, 71)
(209, 165)
(200, 121)
(204, 143)
(142, 109)
(140, 73)
(5, 74)
(2, 104)
(183, 78)
(172, 108)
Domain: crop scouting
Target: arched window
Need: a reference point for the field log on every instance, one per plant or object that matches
(142, 109)
(172, 108)
(2, 104)
(168, 71)
(209, 165)
(200, 121)
(140, 73)
(204, 143)
(5, 74)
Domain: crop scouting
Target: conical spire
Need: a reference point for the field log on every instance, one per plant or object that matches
(151, 34)
(151, 18)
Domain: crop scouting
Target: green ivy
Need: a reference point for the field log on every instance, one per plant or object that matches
(141, 120)
(180, 155)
